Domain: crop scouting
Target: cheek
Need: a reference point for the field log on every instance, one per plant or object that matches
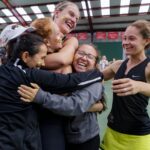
(35, 61)
(39, 64)
(126, 42)
(123, 45)
(92, 65)
(31, 63)
(56, 39)
(62, 18)
(59, 21)
(75, 57)
(143, 43)
(74, 62)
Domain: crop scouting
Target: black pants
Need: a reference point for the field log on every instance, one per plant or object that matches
(52, 132)
(92, 144)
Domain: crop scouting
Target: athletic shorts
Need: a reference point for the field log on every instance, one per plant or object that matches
(118, 141)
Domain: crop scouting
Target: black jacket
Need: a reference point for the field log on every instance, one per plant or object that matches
(19, 128)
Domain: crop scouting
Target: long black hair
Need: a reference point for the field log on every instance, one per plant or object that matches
(29, 42)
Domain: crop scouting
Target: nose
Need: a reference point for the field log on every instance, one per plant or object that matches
(84, 57)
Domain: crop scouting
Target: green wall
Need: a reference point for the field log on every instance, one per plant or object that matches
(110, 49)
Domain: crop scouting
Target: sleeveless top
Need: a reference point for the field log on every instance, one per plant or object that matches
(129, 113)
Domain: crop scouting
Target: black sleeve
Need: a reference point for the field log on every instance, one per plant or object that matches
(60, 83)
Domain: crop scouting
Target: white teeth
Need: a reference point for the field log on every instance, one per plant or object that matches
(69, 24)
(82, 64)
(128, 47)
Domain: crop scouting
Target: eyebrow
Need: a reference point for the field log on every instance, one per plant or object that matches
(70, 11)
(86, 53)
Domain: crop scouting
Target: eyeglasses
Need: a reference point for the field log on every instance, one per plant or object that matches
(88, 56)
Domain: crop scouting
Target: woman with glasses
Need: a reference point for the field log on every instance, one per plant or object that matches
(83, 131)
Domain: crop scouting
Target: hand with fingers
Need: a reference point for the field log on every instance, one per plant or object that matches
(125, 86)
(28, 93)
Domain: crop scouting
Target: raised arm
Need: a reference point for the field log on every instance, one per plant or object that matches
(64, 56)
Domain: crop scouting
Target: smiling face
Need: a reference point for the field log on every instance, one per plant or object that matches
(133, 42)
(67, 18)
(55, 38)
(50, 32)
(37, 60)
(85, 58)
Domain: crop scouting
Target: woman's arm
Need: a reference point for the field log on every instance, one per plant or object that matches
(127, 86)
(64, 70)
(64, 56)
(109, 71)
(97, 107)
(61, 83)
(76, 104)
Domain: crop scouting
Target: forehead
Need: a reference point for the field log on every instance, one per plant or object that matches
(88, 49)
(42, 49)
(131, 30)
(73, 9)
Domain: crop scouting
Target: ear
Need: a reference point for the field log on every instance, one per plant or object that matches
(147, 41)
(56, 13)
(47, 42)
(25, 55)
